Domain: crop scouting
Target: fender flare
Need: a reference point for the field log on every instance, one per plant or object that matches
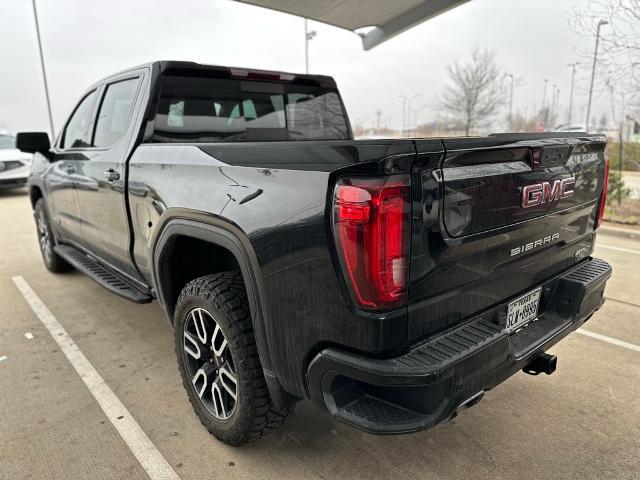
(36, 183)
(227, 235)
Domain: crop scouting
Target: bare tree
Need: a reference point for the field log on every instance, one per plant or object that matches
(475, 92)
(621, 39)
(619, 56)
(619, 60)
(618, 63)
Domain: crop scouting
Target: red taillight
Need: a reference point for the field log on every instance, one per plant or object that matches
(603, 198)
(371, 229)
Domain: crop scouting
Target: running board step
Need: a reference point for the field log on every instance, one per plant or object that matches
(100, 274)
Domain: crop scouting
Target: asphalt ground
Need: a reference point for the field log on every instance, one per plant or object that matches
(583, 422)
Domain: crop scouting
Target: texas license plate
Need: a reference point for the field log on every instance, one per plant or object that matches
(522, 310)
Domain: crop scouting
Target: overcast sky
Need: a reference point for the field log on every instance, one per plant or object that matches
(87, 40)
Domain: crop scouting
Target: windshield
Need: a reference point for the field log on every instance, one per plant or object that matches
(7, 141)
(197, 109)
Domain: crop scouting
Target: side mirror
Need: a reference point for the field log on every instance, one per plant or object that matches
(32, 142)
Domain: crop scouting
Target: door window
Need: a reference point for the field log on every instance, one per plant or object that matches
(76, 132)
(115, 112)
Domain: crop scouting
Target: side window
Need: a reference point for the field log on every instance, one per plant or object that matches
(115, 112)
(76, 133)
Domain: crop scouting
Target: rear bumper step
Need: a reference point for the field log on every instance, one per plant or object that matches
(450, 372)
(100, 274)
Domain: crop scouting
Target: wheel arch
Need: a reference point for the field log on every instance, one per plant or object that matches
(37, 190)
(226, 235)
(35, 194)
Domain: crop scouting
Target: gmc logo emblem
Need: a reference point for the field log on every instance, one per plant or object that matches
(539, 193)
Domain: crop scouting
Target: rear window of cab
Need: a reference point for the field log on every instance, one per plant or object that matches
(201, 109)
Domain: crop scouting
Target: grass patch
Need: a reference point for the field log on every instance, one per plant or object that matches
(630, 156)
(628, 212)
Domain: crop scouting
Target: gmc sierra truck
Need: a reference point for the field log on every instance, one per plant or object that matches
(392, 282)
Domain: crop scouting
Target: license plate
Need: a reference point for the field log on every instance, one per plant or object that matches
(522, 310)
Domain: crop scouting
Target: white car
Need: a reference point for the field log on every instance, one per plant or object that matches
(14, 165)
(570, 128)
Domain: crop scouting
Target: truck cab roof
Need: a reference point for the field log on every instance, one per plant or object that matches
(160, 66)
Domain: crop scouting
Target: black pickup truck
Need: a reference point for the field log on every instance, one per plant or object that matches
(392, 282)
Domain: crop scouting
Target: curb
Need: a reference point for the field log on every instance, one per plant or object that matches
(620, 232)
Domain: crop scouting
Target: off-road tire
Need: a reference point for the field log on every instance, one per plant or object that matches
(54, 262)
(223, 295)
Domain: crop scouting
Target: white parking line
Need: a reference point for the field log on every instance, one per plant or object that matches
(611, 340)
(619, 249)
(142, 448)
(624, 302)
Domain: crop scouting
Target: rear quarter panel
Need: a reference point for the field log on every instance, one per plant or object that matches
(277, 194)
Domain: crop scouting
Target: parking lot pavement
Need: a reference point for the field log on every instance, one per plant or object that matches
(582, 422)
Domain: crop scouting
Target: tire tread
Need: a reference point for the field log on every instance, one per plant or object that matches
(227, 293)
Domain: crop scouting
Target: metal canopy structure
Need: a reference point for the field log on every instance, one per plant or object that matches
(387, 17)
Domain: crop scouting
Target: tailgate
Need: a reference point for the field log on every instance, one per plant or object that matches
(499, 215)
(488, 188)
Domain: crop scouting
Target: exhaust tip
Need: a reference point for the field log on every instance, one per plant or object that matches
(468, 403)
(544, 363)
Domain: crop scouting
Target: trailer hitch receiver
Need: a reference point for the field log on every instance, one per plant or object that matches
(544, 363)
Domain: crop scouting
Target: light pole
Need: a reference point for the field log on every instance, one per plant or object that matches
(632, 84)
(573, 77)
(414, 113)
(556, 102)
(409, 109)
(593, 71)
(404, 112)
(406, 108)
(308, 36)
(553, 103)
(622, 132)
(611, 86)
(510, 75)
(544, 110)
(44, 73)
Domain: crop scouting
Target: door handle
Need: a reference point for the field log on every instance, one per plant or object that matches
(112, 175)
